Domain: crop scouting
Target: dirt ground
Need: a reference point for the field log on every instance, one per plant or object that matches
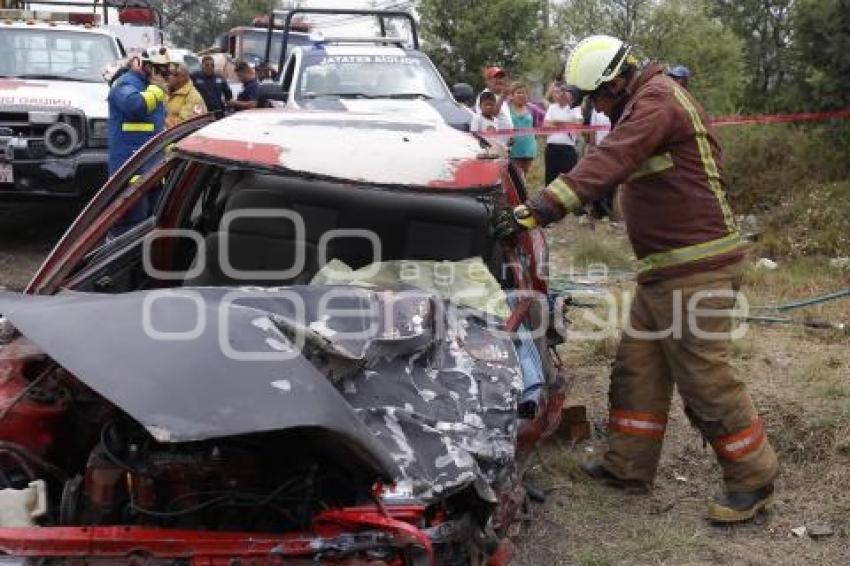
(797, 377)
(799, 381)
(28, 230)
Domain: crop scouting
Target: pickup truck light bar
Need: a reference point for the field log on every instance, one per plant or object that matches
(104, 4)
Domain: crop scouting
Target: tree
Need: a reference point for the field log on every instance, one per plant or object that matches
(195, 23)
(821, 48)
(682, 32)
(464, 36)
(673, 31)
(619, 18)
(765, 26)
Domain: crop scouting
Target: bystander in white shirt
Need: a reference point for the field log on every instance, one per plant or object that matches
(557, 114)
(599, 119)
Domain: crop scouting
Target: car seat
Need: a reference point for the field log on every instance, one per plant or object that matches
(407, 224)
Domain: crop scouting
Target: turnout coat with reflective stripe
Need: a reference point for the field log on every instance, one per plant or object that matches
(135, 116)
(665, 154)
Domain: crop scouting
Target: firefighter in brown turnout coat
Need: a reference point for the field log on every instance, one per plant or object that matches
(691, 259)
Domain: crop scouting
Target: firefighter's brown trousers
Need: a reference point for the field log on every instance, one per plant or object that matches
(691, 319)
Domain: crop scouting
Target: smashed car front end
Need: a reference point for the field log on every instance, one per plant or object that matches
(377, 436)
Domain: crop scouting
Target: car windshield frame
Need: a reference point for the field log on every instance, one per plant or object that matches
(55, 54)
(408, 65)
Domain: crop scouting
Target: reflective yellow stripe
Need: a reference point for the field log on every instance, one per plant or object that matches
(135, 178)
(137, 127)
(690, 253)
(150, 100)
(152, 95)
(653, 165)
(562, 192)
(708, 163)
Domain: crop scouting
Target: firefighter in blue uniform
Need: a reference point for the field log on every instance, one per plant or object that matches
(136, 114)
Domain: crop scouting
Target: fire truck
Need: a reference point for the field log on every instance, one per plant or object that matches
(53, 92)
(252, 43)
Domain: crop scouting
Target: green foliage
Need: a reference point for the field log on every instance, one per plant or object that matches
(464, 36)
(796, 178)
(195, 24)
(620, 18)
(765, 163)
(680, 31)
(766, 28)
(815, 220)
(823, 48)
(675, 31)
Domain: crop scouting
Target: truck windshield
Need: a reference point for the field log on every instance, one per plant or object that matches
(55, 54)
(254, 45)
(369, 76)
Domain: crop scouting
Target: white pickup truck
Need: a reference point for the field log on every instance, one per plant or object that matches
(53, 106)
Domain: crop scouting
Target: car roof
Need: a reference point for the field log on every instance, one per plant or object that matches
(371, 149)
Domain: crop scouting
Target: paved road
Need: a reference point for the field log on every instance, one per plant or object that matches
(27, 232)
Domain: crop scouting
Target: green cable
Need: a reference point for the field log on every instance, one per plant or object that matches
(807, 302)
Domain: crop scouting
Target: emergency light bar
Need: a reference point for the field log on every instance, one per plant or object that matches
(263, 22)
(89, 19)
(46, 16)
(321, 39)
(138, 16)
(133, 12)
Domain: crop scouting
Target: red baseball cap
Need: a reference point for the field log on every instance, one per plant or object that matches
(493, 72)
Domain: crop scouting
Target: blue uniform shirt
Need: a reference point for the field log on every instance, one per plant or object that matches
(214, 89)
(250, 91)
(135, 116)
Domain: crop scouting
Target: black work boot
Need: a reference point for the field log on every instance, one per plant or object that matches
(598, 471)
(738, 506)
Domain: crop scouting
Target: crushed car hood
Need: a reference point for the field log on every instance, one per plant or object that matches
(425, 391)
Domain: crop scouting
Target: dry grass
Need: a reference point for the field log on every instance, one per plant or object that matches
(590, 249)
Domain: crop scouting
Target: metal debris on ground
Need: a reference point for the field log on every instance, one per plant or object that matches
(819, 529)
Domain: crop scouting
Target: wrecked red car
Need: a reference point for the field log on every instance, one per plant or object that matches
(313, 351)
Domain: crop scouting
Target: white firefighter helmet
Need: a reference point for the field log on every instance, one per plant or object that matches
(156, 55)
(595, 60)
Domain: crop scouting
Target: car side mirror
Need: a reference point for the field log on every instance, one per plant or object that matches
(270, 92)
(463, 93)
